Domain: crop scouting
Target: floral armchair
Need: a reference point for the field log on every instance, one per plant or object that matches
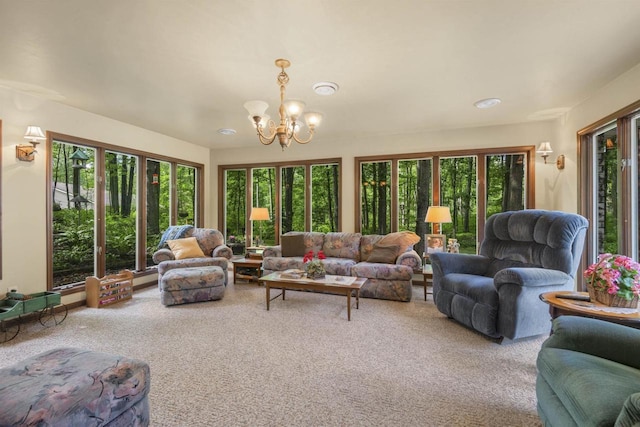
(211, 242)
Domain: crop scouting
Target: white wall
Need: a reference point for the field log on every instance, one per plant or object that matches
(562, 191)
(495, 136)
(24, 183)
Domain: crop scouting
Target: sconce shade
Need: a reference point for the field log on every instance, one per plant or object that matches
(34, 134)
(26, 152)
(545, 148)
(259, 214)
(438, 214)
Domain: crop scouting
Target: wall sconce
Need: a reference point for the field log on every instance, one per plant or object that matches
(545, 149)
(25, 152)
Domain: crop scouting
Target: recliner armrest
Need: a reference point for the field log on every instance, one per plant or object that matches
(607, 340)
(533, 277)
(447, 263)
(630, 414)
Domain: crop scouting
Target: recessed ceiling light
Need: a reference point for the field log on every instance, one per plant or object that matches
(226, 131)
(487, 103)
(325, 88)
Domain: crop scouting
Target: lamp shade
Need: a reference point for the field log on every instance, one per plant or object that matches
(256, 108)
(438, 214)
(34, 133)
(259, 214)
(313, 118)
(294, 108)
(545, 148)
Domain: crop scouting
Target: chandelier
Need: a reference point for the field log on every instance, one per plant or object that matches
(290, 110)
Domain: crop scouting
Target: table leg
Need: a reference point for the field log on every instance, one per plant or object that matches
(349, 305)
(357, 298)
(424, 282)
(234, 274)
(283, 289)
(266, 287)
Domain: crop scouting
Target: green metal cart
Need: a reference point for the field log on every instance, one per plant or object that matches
(50, 310)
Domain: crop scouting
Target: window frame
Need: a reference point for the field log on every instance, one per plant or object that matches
(278, 197)
(587, 199)
(100, 148)
(481, 154)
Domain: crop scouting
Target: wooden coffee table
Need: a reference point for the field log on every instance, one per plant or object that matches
(329, 284)
(562, 306)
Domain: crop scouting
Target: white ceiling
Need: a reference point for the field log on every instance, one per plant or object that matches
(185, 68)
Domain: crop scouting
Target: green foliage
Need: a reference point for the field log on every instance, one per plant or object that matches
(375, 189)
(73, 240)
(293, 195)
(324, 198)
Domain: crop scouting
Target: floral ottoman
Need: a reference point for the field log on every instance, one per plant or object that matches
(192, 284)
(75, 387)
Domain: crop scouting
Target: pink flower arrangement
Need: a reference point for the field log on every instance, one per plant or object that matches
(615, 274)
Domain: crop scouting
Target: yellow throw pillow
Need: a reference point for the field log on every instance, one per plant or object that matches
(185, 248)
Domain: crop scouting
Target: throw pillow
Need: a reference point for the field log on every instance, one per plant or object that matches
(185, 248)
(404, 240)
(293, 245)
(172, 233)
(384, 254)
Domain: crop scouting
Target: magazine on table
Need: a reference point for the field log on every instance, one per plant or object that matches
(292, 273)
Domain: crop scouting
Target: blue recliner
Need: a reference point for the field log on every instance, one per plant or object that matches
(523, 254)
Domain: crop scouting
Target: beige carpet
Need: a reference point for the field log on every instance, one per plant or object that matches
(231, 362)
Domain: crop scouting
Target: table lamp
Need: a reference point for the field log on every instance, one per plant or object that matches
(436, 215)
(259, 214)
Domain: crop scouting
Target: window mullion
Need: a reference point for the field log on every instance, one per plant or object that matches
(100, 212)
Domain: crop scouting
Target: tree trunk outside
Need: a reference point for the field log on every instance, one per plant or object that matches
(422, 203)
(334, 215)
(153, 198)
(287, 196)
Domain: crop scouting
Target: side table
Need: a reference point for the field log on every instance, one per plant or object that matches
(246, 265)
(427, 276)
(596, 310)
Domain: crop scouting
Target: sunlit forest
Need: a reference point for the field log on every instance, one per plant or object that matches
(74, 204)
(458, 190)
(324, 202)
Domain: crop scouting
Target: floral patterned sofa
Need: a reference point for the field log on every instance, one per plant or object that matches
(211, 242)
(347, 255)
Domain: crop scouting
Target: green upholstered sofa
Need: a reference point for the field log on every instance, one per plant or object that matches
(589, 374)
